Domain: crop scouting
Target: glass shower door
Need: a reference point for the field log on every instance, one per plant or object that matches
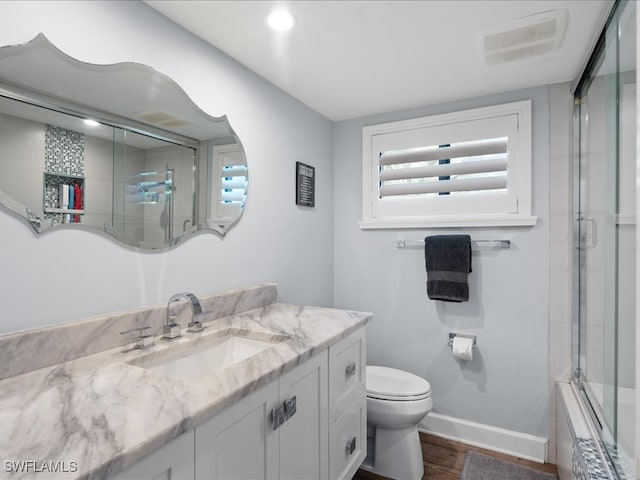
(607, 232)
(598, 251)
(625, 224)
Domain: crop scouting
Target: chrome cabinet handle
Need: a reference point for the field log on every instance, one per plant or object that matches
(350, 371)
(351, 446)
(290, 408)
(284, 412)
(278, 417)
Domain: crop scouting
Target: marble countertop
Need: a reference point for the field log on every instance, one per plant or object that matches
(96, 415)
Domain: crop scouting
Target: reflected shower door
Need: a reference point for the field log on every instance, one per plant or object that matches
(154, 195)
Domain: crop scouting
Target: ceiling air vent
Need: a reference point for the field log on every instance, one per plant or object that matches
(524, 38)
(161, 119)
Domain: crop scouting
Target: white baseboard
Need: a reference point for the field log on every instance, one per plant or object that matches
(517, 444)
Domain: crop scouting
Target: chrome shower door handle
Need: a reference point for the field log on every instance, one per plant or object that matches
(594, 232)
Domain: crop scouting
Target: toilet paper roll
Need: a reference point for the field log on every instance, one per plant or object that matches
(463, 348)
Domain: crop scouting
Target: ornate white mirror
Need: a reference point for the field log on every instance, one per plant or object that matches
(118, 148)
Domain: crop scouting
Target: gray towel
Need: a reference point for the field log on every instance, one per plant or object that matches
(448, 262)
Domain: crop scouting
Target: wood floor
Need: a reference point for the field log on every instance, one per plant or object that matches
(443, 460)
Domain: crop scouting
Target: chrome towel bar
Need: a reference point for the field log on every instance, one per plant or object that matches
(420, 243)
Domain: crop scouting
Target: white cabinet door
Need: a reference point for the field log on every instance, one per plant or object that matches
(240, 443)
(347, 405)
(304, 436)
(174, 461)
(347, 442)
(347, 367)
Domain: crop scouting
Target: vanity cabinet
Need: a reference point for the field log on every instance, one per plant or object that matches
(173, 461)
(248, 440)
(309, 424)
(347, 406)
(303, 438)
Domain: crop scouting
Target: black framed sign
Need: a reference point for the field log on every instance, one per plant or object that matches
(305, 185)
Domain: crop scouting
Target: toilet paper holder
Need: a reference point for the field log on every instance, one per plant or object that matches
(452, 335)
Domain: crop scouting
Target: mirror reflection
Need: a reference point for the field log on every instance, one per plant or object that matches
(140, 162)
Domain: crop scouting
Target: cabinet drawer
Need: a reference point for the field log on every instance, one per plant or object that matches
(348, 442)
(172, 461)
(347, 360)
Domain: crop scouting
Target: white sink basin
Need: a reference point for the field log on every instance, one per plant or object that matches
(204, 358)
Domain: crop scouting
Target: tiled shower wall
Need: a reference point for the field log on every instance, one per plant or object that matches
(63, 151)
(587, 464)
(579, 455)
(560, 251)
(64, 155)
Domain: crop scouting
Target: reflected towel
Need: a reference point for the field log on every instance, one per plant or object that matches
(448, 262)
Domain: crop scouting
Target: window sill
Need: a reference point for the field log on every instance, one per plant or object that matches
(449, 221)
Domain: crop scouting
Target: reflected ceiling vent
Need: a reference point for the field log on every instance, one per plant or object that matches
(161, 119)
(524, 38)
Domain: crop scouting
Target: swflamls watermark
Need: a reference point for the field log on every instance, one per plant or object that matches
(44, 466)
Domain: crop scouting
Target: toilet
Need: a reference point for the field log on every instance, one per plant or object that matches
(396, 402)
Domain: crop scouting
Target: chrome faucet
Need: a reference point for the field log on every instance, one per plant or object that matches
(171, 330)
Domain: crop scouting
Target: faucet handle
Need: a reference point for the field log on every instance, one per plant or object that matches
(142, 341)
(171, 331)
(195, 325)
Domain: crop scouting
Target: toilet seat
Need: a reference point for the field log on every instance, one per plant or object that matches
(386, 383)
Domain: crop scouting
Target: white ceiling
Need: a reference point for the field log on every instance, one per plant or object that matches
(347, 59)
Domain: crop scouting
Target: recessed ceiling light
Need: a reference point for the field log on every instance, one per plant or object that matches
(91, 123)
(281, 20)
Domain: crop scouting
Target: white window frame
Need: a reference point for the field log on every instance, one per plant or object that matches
(449, 211)
(218, 218)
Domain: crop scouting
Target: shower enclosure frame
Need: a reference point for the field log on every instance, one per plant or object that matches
(584, 237)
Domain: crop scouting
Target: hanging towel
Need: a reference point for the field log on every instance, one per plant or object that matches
(448, 262)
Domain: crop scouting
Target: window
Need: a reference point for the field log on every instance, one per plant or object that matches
(469, 168)
(228, 186)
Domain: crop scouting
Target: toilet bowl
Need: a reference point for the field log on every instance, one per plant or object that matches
(396, 402)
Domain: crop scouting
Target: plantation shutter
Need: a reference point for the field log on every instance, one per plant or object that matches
(229, 190)
(463, 167)
(468, 166)
(233, 182)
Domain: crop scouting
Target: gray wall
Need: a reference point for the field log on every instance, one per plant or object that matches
(268, 243)
(506, 383)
